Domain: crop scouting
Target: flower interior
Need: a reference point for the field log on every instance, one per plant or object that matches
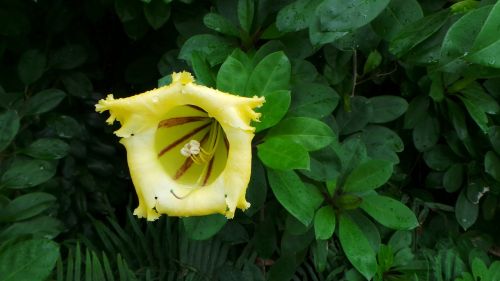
(191, 146)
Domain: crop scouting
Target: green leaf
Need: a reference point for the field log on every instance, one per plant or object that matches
(202, 228)
(40, 226)
(157, 13)
(283, 269)
(68, 57)
(389, 212)
(44, 101)
(324, 223)
(78, 84)
(426, 133)
(310, 133)
(202, 70)
(26, 206)
(416, 32)
(477, 95)
(313, 100)
(27, 173)
(397, 15)
(65, 126)
(355, 118)
(385, 258)
(439, 157)
(368, 176)
(352, 153)
(47, 149)
(220, 24)
(387, 108)
(30, 260)
(273, 110)
(417, 111)
(271, 74)
(297, 15)
(337, 15)
(466, 212)
(283, 154)
(356, 247)
(382, 143)
(477, 113)
(486, 47)
(301, 201)
(372, 62)
(234, 74)
(9, 126)
(31, 66)
(212, 47)
(457, 117)
(245, 14)
(492, 165)
(494, 135)
(453, 178)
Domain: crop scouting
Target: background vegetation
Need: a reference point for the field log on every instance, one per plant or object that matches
(388, 107)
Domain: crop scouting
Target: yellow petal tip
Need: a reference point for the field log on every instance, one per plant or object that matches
(183, 77)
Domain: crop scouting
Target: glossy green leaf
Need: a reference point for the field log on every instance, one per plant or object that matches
(397, 15)
(246, 11)
(389, 212)
(214, 48)
(356, 117)
(39, 226)
(220, 24)
(356, 247)
(486, 48)
(68, 57)
(309, 133)
(202, 228)
(30, 260)
(466, 212)
(78, 84)
(324, 223)
(416, 112)
(47, 149)
(494, 135)
(283, 154)
(271, 74)
(27, 173)
(9, 126)
(31, 66)
(26, 206)
(352, 152)
(453, 177)
(297, 15)
(273, 110)
(202, 70)
(416, 32)
(387, 108)
(457, 116)
(368, 176)
(44, 101)
(228, 82)
(298, 199)
(372, 61)
(313, 100)
(337, 15)
(439, 157)
(382, 143)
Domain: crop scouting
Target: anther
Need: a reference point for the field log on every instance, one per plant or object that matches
(191, 148)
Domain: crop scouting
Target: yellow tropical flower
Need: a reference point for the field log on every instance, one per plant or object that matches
(188, 147)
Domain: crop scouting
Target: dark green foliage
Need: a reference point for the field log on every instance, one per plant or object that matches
(377, 155)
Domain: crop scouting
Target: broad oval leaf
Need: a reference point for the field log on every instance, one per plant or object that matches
(44, 101)
(214, 48)
(283, 154)
(298, 199)
(389, 212)
(26, 206)
(312, 134)
(27, 173)
(275, 108)
(426, 133)
(271, 74)
(202, 228)
(47, 149)
(356, 247)
(324, 223)
(397, 15)
(466, 212)
(492, 165)
(313, 100)
(9, 126)
(31, 66)
(387, 108)
(30, 260)
(297, 15)
(233, 76)
(486, 48)
(368, 176)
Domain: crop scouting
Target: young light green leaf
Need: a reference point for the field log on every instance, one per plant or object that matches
(271, 74)
(389, 212)
(356, 247)
(372, 62)
(27, 173)
(324, 223)
(387, 108)
(368, 176)
(308, 132)
(26, 206)
(202, 228)
(300, 200)
(337, 15)
(9, 126)
(31, 66)
(283, 154)
(31, 260)
(44, 101)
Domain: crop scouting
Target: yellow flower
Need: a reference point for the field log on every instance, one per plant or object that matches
(188, 147)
